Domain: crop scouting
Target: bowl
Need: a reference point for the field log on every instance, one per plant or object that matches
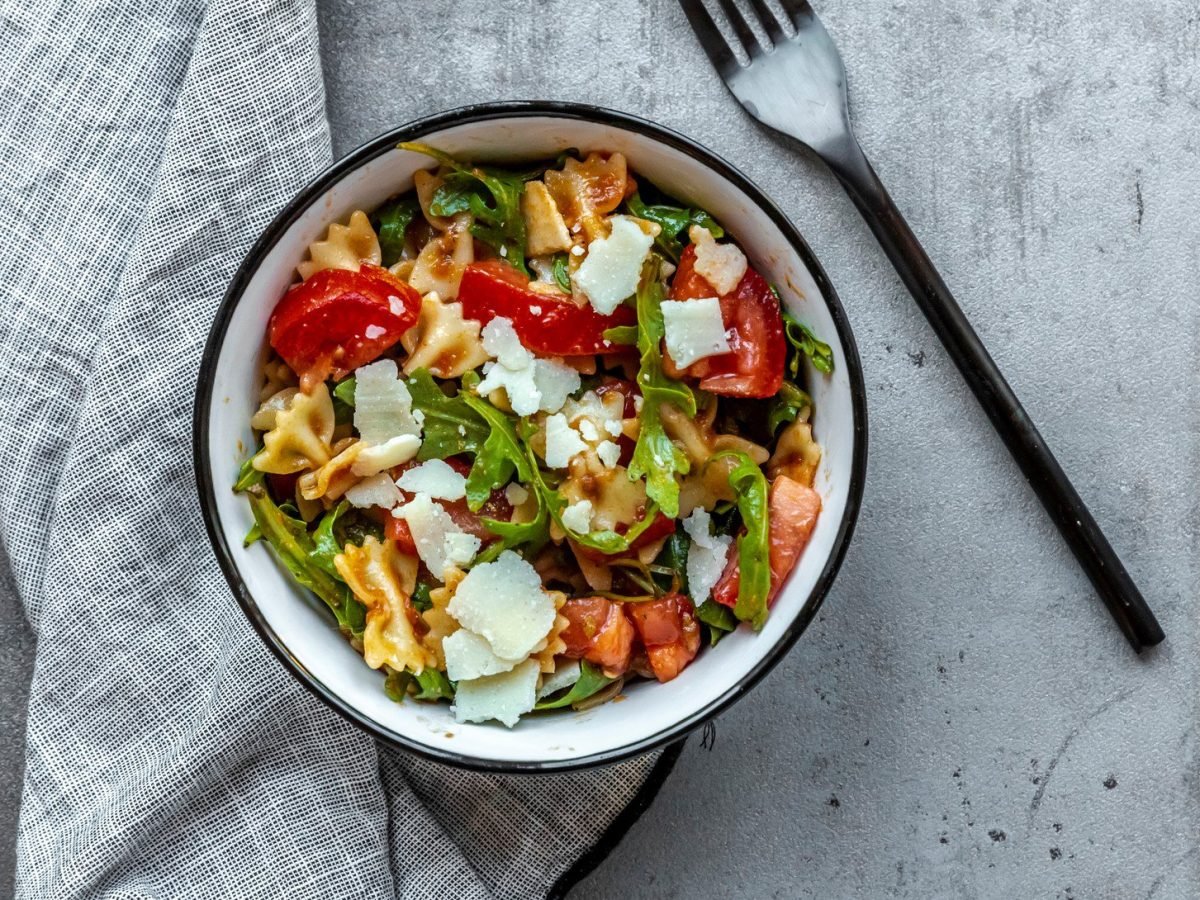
(297, 627)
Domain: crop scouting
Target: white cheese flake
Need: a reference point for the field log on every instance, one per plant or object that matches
(555, 382)
(531, 384)
(382, 404)
(460, 549)
(502, 344)
(436, 478)
(694, 329)
(372, 460)
(562, 442)
(706, 556)
(504, 697)
(587, 428)
(613, 265)
(504, 602)
(378, 490)
(536, 310)
(470, 656)
(565, 674)
(722, 265)
(609, 453)
(430, 524)
(515, 494)
(578, 517)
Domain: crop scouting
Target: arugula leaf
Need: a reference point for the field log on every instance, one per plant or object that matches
(325, 543)
(498, 458)
(421, 600)
(590, 681)
(391, 221)
(432, 685)
(493, 197)
(622, 334)
(655, 455)
(248, 476)
(750, 485)
(719, 619)
(451, 426)
(786, 406)
(254, 534)
(344, 390)
(290, 540)
(674, 556)
(803, 341)
(532, 534)
(562, 276)
(673, 221)
(395, 686)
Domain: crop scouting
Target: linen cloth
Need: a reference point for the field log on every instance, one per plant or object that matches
(143, 147)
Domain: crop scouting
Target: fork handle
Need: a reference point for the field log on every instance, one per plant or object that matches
(1008, 416)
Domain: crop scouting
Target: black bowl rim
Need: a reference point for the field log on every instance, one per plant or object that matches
(415, 130)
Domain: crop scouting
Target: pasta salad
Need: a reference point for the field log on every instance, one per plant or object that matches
(532, 434)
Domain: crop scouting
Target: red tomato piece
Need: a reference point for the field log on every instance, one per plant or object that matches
(792, 515)
(558, 328)
(669, 632)
(397, 530)
(283, 487)
(598, 631)
(336, 321)
(754, 366)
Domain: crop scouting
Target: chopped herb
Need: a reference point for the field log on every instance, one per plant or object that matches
(421, 600)
(562, 277)
(786, 406)
(344, 390)
(804, 342)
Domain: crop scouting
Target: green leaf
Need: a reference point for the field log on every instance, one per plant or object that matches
(750, 485)
(562, 276)
(344, 390)
(673, 221)
(492, 195)
(391, 221)
(591, 680)
(248, 476)
(498, 458)
(421, 600)
(290, 540)
(622, 334)
(254, 534)
(655, 455)
(451, 426)
(674, 556)
(719, 619)
(432, 685)
(786, 406)
(531, 535)
(325, 543)
(395, 686)
(803, 341)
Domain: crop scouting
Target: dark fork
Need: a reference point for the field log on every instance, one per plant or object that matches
(795, 83)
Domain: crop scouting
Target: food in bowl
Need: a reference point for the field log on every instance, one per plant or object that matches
(531, 434)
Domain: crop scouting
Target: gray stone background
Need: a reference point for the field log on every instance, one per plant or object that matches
(963, 720)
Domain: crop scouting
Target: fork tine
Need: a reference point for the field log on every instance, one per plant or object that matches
(738, 23)
(769, 22)
(800, 12)
(710, 37)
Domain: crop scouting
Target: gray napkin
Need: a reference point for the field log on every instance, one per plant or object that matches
(143, 146)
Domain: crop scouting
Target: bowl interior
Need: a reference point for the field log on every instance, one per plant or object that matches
(299, 625)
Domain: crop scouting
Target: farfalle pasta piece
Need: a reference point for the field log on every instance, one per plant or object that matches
(545, 230)
(707, 483)
(796, 455)
(585, 191)
(554, 644)
(335, 477)
(439, 621)
(301, 438)
(264, 418)
(443, 341)
(277, 375)
(384, 579)
(439, 266)
(344, 247)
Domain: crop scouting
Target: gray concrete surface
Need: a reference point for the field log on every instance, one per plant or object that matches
(963, 720)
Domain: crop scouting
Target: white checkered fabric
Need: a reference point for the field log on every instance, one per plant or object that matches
(143, 146)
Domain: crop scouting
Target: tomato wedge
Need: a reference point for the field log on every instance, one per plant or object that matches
(754, 366)
(599, 631)
(792, 515)
(669, 632)
(544, 323)
(338, 320)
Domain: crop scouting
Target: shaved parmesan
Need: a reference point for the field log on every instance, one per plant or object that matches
(578, 517)
(371, 459)
(722, 265)
(555, 382)
(504, 697)
(470, 656)
(565, 674)
(504, 602)
(429, 524)
(382, 404)
(613, 265)
(502, 344)
(461, 548)
(609, 453)
(378, 490)
(587, 428)
(436, 478)
(562, 442)
(694, 329)
(515, 494)
(531, 384)
(706, 555)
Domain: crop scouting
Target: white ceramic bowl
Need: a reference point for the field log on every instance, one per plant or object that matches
(297, 627)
